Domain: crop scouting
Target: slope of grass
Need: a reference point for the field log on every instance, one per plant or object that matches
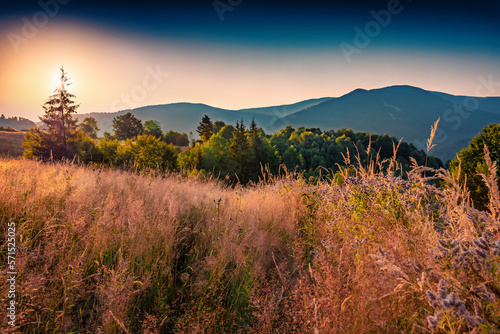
(114, 252)
(11, 143)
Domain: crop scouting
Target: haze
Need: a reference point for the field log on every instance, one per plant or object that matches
(125, 55)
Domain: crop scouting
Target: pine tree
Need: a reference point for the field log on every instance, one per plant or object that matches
(59, 139)
(241, 153)
(58, 118)
(205, 129)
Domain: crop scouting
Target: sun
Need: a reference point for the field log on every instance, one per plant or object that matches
(56, 81)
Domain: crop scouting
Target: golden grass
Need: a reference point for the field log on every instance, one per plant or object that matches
(115, 252)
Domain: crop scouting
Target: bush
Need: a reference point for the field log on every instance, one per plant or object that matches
(148, 152)
(472, 164)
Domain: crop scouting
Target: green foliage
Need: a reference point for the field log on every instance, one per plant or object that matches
(86, 149)
(227, 132)
(148, 152)
(191, 159)
(472, 164)
(152, 128)
(176, 138)
(241, 153)
(218, 125)
(127, 126)
(33, 144)
(89, 127)
(108, 136)
(109, 148)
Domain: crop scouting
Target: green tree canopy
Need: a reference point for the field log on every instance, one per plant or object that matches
(241, 153)
(148, 152)
(473, 163)
(176, 138)
(127, 126)
(152, 128)
(89, 127)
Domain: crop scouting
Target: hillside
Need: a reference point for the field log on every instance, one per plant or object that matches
(142, 254)
(402, 111)
(18, 123)
(11, 143)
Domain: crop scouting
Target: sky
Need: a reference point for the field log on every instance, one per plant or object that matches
(237, 54)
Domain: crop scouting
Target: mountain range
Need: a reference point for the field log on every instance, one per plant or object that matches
(403, 111)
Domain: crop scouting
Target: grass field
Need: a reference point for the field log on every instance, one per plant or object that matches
(108, 251)
(11, 143)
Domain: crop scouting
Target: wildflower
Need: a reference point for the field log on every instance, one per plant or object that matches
(476, 263)
(481, 243)
(480, 253)
(433, 322)
(488, 265)
(486, 297)
(462, 310)
(431, 295)
(443, 243)
(453, 299)
(442, 289)
(445, 303)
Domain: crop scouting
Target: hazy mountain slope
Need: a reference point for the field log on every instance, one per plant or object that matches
(18, 123)
(490, 104)
(402, 111)
(182, 117)
(285, 110)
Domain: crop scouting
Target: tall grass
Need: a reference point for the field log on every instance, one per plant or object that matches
(107, 251)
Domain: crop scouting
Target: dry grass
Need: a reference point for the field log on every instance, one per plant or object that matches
(114, 252)
(11, 143)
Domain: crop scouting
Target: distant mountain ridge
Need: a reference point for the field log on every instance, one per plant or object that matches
(402, 111)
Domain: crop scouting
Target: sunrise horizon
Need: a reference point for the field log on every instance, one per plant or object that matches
(219, 56)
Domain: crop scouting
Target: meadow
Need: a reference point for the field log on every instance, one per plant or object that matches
(11, 143)
(101, 250)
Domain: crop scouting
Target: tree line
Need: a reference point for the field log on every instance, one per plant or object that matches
(234, 153)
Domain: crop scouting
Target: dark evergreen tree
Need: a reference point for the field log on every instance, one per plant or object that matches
(260, 157)
(59, 139)
(241, 153)
(205, 129)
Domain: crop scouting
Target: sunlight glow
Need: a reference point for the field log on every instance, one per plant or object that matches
(56, 82)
